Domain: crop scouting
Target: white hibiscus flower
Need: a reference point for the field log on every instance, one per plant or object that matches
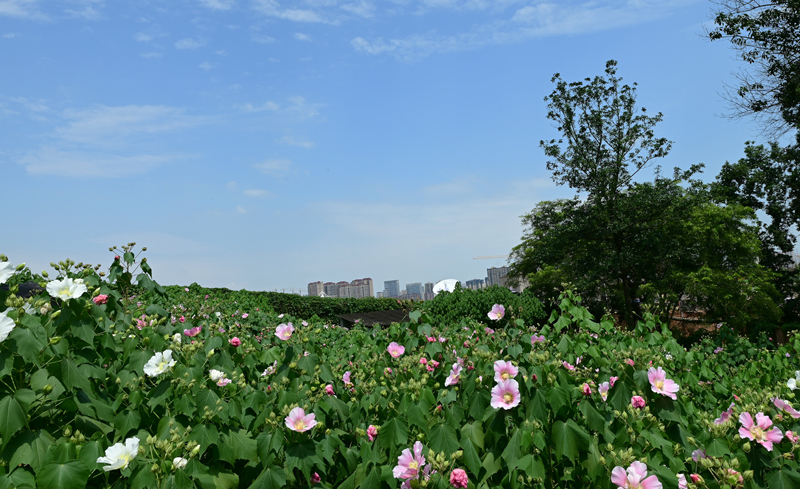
(6, 326)
(118, 456)
(6, 271)
(66, 289)
(159, 363)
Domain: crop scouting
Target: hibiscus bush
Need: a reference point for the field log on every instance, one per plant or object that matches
(102, 389)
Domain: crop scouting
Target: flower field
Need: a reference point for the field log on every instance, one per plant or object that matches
(104, 387)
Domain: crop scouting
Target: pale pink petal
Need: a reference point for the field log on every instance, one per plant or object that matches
(746, 420)
(762, 421)
(619, 476)
(651, 482)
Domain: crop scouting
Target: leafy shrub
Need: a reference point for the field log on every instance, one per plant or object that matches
(452, 307)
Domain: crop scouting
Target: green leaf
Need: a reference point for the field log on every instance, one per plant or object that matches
(569, 439)
(512, 450)
(205, 435)
(531, 465)
(127, 421)
(393, 433)
(72, 377)
(12, 417)
(471, 458)
(69, 475)
(29, 448)
(373, 480)
(240, 445)
(308, 363)
(27, 344)
(270, 478)
(442, 438)
(784, 479)
(474, 432)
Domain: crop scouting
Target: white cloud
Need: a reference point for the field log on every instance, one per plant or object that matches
(301, 37)
(10, 35)
(218, 4)
(241, 210)
(87, 13)
(255, 192)
(293, 141)
(231, 186)
(362, 8)
(531, 21)
(262, 39)
(273, 9)
(268, 105)
(275, 168)
(81, 164)
(102, 125)
(151, 55)
(206, 66)
(142, 37)
(189, 43)
(21, 8)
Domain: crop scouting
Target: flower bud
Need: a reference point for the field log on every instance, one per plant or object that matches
(67, 432)
(47, 389)
(45, 274)
(20, 267)
(55, 339)
(748, 475)
(154, 468)
(746, 447)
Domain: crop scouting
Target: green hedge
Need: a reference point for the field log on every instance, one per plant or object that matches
(452, 307)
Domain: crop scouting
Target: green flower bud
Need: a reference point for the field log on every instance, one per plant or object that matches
(55, 339)
(47, 389)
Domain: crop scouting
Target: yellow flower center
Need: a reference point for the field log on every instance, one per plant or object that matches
(508, 397)
(504, 376)
(162, 365)
(126, 458)
(299, 425)
(63, 291)
(413, 465)
(659, 384)
(757, 433)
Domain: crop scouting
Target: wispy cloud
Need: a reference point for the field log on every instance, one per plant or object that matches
(275, 168)
(534, 20)
(21, 8)
(361, 8)
(151, 54)
(273, 8)
(189, 43)
(249, 108)
(262, 39)
(241, 210)
(142, 37)
(218, 4)
(206, 66)
(255, 192)
(294, 141)
(82, 164)
(301, 37)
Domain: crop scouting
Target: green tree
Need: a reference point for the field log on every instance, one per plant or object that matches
(767, 180)
(767, 36)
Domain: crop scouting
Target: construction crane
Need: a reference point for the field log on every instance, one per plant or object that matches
(488, 257)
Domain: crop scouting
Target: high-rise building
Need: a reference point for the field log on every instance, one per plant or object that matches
(361, 288)
(341, 289)
(379, 295)
(415, 288)
(331, 290)
(391, 288)
(494, 274)
(315, 288)
(429, 287)
(474, 284)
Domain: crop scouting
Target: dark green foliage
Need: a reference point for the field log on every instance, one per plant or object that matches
(452, 307)
(325, 308)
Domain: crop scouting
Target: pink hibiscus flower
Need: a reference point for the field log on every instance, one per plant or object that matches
(603, 390)
(395, 350)
(661, 384)
(408, 465)
(786, 407)
(536, 339)
(284, 331)
(758, 431)
(725, 416)
(299, 421)
(586, 390)
(235, 341)
(346, 378)
(505, 394)
(497, 312)
(637, 402)
(504, 371)
(372, 432)
(100, 299)
(193, 331)
(634, 478)
(455, 375)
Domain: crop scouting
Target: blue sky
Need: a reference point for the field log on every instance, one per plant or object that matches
(266, 144)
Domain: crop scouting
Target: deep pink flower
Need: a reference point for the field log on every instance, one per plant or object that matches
(431, 339)
(661, 384)
(792, 437)
(630, 362)
(284, 331)
(372, 432)
(235, 341)
(329, 390)
(734, 477)
(433, 363)
(725, 416)
(568, 366)
(299, 421)
(193, 331)
(586, 390)
(637, 402)
(100, 299)
(786, 407)
(634, 478)
(458, 478)
(395, 350)
(423, 360)
(757, 431)
(316, 479)
(504, 371)
(182, 319)
(489, 330)
(408, 465)
(695, 478)
(505, 394)
(497, 312)
(612, 380)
